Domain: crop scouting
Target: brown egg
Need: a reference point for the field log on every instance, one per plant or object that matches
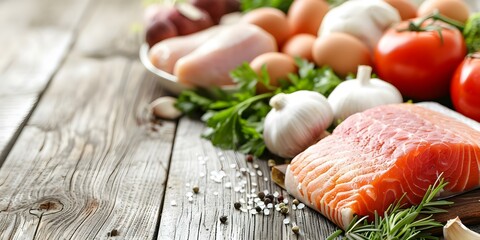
(342, 52)
(454, 9)
(405, 8)
(305, 16)
(300, 45)
(271, 20)
(278, 66)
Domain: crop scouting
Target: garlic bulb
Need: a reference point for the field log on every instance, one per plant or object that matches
(360, 94)
(296, 121)
(455, 230)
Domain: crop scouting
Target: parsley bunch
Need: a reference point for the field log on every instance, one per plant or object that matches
(235, 119)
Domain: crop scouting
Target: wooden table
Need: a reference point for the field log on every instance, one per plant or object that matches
(81, 158)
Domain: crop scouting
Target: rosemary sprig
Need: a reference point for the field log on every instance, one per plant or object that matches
(399, 223)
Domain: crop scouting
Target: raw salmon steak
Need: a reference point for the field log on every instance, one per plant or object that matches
(374, 157)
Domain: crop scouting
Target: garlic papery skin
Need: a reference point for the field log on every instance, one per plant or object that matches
(455, 230)
(362, 93)
(296, 121)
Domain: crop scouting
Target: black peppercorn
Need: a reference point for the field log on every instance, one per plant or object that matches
(270, 196)
(223, 219)
(195, 189)
(267, 201)
(237, 205)
(261, 195)
(280, 198)
(258, 208)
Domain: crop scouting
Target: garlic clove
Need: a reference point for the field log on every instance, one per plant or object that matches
(455, 230)
(164, 107)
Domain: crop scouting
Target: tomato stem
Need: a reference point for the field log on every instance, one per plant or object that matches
(417, 25)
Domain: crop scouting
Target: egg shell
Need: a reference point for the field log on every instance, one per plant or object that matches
(300, 45)
(405, 8)
(271, 20)
(278, 66)
(454, 9)
(305, 16)
(342, 52)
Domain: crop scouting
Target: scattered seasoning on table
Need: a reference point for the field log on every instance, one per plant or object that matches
(271, 163)
(237, 205)
(195, 189)
(296, 229)
(223, 219)
(280, 198)
(261, 195)
(284, 210)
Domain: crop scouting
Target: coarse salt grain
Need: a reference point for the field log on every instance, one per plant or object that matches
(254, 184)
(276, 194)
(233, 165)
(300, 206)
(190, 199)
(285, 201)
(255, 166)
(253, 211)
(228, 185)
(242, 200)
(266, 212)
(294, 207)
(215, 193)
(286, 221)
(259, 173)
(173, 203)
(270, 205)
(189, 194)
(265, 179)
(236, 189)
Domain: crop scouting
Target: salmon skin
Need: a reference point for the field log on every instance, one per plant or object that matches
(374, 157)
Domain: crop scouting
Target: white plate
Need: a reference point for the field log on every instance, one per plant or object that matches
(167, 80)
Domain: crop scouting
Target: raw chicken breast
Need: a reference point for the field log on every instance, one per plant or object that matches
(166, 53)
(211, 63)
(376, 156)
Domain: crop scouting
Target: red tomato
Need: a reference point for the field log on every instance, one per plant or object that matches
(419, 63)
(465, 88)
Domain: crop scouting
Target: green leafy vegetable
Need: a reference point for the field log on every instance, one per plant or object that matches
(471, 33)
(400, 223)
(248, 5)
(235, 119)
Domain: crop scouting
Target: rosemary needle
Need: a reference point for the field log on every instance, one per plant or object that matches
(397, 222)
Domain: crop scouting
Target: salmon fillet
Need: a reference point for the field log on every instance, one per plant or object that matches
(376, 156)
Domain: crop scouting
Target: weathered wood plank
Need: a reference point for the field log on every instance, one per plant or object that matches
(194, 162)
(88, 163)
(35, 38)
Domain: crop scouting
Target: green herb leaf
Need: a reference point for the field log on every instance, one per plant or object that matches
(248, 5)
(235, 119)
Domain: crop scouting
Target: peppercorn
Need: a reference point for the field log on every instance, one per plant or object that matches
(295, 202)
(261, 195)
(249, 158)
(258, 208)
(271, 163)
(195, 189)
(237, 205)
(296, 229)
(270, 196)
(284, 210)
(223, 219)
(280, 198)
(267, 201)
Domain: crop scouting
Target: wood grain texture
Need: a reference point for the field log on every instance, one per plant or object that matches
(35, 38)
(194, 162)
(89, 164)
